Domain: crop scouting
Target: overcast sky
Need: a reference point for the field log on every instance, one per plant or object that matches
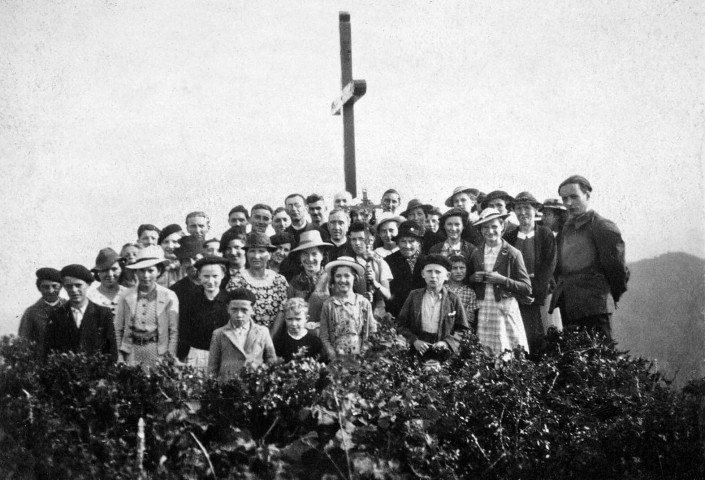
(120, 113)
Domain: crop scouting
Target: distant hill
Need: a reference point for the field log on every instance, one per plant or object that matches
(662, 315)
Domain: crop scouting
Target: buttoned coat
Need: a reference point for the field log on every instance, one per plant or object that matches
(509, 264)
(594, 290)
(167, 320)
(453, 318)
(226, 359)
(404, 280)
(33, 324)
(544, 260)
(95, 335)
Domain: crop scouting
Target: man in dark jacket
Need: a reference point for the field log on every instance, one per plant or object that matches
(405, 265)
(33, 324)
(592, 271)
(80, 325)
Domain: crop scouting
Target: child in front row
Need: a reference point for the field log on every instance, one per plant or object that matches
(458, 285)
(296, 338)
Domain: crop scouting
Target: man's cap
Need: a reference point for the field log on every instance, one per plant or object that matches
(409, 229)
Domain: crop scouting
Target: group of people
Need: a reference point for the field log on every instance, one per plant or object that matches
(303, 280)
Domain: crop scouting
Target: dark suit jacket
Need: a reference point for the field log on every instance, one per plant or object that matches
(404, 280)
(96, 334)
(453, 318)
(544, 259)
(510, 264)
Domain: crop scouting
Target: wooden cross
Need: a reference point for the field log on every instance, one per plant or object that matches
(351, 92)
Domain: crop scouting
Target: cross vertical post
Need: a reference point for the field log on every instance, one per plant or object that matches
(352, 90)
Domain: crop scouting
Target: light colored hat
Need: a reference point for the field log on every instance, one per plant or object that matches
(490, 214)
(148, 257)
(345, 262)
(310, 239)
(553, 203)
(388, 217)
(473, 192)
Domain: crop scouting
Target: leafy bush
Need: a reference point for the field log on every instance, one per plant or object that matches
(582, 410)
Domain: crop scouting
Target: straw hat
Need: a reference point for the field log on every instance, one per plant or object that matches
(148, 257)
(345, 262)
(490, 214)
(310, 239)
(473, 192)
(388, 217)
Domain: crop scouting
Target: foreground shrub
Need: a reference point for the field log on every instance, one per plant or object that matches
(582, 410)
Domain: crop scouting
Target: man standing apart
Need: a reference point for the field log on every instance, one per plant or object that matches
(80, 326)
(592, 272)
(33, 324)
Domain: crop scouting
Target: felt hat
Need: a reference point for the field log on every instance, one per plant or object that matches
(202, 262)
(242, 294)
(436, 259)
(344, 261)
(508, 199)
(409, 229)
(169, 230)
(189, 247)
(282, 238)
(388, 217)
(490, 214)
(526, 197)
(415, 203)
(77, 271)
(105, 259)
(259, 240)
(455, 212)
(148, 257)
(553, 204)
(310, 239)
(48, 273)
(473, 192)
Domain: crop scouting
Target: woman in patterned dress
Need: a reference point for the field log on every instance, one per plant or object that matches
(107, 271)
(269, 287)
(454, 222)
(147, 318)
(498, 275)
(346, 317)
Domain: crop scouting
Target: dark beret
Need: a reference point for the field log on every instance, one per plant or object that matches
(189, 247)
(436, 259)
(242, 294)
(169, 230)
(211, 261)
(77, 271)
(47, 273)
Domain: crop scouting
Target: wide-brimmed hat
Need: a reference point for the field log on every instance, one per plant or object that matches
(388, 217)
(454, 212)
(106, 258)
(148, 257)
(488, 215)
(189, 247)
(409, 229)
(553, 204)
(259, 240)
(508, 199)
(416, 203)
(345, 262)
(526, 197)
(168, 231)
(473, 192)
(310, 239)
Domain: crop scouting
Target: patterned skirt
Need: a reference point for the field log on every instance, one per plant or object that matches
(145, 355)
(499, 324)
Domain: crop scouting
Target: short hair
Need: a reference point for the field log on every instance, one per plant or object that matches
(362, 227)
(261, 206)
(147, 227)
(241, 209)
(313, 198)
(233, 233)
(292, 195)
(391, 190)
(335, 211)
(279, 210)
(130, 244)
(198, 214)
(296, 305)
(282, 238)
(581, 181)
